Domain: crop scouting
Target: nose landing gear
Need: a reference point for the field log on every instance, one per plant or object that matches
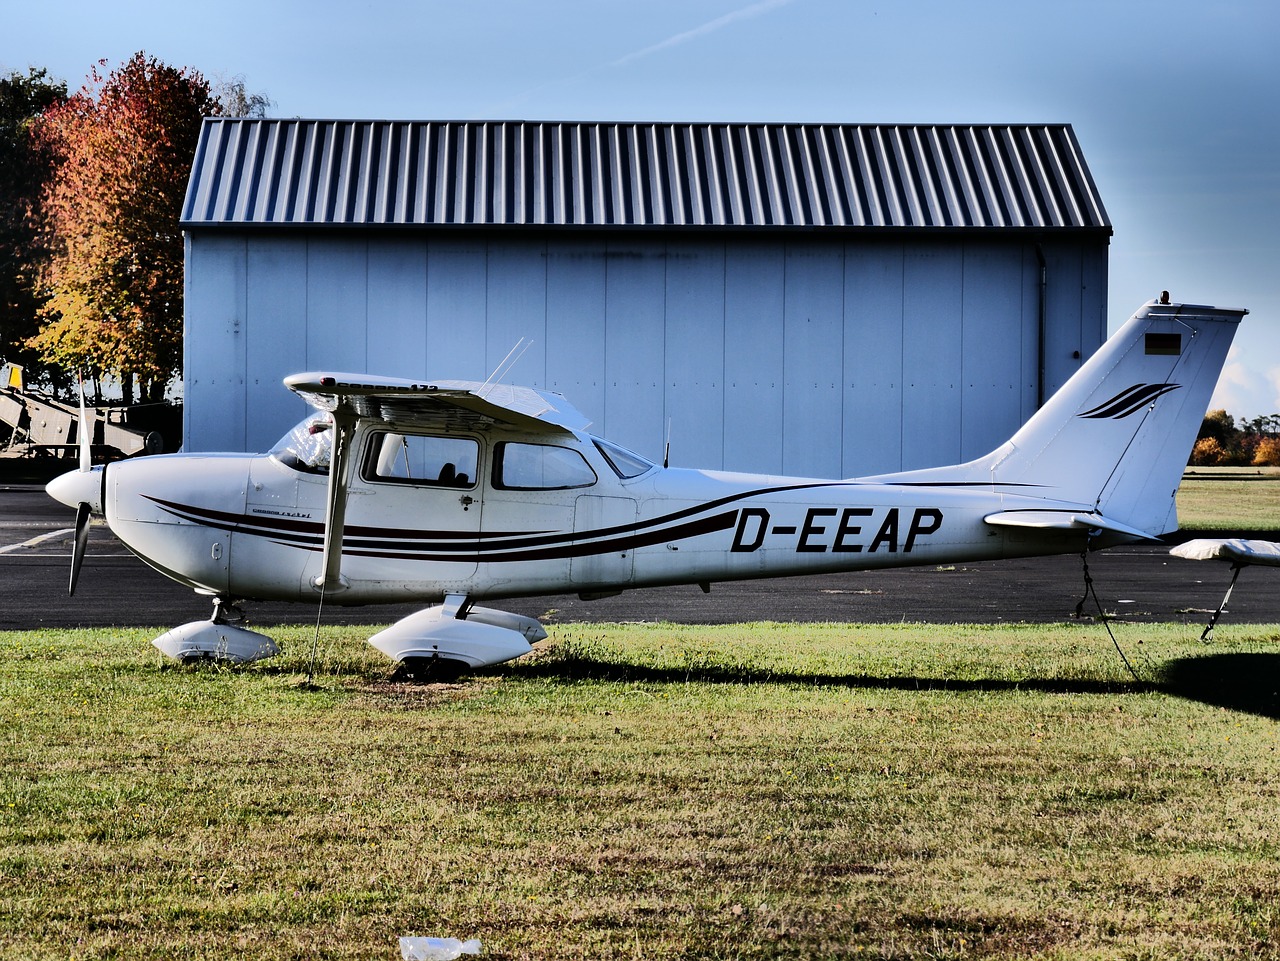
(218, 639)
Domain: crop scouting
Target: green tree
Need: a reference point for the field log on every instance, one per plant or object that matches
(122, 148)
(24, 169)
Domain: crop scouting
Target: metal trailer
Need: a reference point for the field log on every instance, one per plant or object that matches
(41, 426)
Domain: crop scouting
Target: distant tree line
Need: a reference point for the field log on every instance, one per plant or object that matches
(91, 191)
(1225, 443)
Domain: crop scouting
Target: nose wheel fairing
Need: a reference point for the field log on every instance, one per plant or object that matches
(221, 638)
(208, 640)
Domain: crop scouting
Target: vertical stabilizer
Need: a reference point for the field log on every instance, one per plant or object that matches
(1118, 434)
(1114, 440)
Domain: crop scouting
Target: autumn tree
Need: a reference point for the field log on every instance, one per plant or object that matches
(1223, 441)
(1267, 453)
(24, 171)
(122, 148)
(1219, 425)
(1207, 452)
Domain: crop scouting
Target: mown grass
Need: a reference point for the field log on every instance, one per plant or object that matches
(646, 791)
(1230, 498)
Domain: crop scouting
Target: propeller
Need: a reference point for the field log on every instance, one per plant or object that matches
(81, 542)
(83, 431)
(82, 508)
(81, 489)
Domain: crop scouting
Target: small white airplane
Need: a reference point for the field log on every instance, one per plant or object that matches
(453, 492)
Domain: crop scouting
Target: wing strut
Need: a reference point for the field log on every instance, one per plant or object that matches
(330, 579)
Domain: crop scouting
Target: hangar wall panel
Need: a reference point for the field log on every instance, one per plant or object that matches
(576, 296)
(515, 309)
(753, 346)
(337, 305)
(694, 357)
(765, 354)
(214, 348)
(397, 335)
(634, 346)
(812, 353)
(457, 273)
(933, 281)
(276, 281)
(996, 370)
(873, 348)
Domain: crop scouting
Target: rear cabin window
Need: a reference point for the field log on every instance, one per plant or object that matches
(423, 460)
(540, 467)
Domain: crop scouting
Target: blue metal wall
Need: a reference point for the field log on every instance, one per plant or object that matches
(821, 356)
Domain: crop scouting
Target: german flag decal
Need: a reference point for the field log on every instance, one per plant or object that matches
(1170, 344)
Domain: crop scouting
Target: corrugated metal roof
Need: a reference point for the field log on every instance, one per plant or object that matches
(738, 175)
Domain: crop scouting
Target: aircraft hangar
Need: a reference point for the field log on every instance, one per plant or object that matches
(825, 300)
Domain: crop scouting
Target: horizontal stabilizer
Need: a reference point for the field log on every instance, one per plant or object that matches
(1237, 550)
(1064, 521)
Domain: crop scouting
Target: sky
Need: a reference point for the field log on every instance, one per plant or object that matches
(1176, 104)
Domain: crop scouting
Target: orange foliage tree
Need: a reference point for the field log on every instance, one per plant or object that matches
(1267, 453)
(122, 148)
(1207, 453)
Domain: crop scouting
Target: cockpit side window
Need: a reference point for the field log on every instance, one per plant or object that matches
(422, 459)
(308, 447)
(540, 467)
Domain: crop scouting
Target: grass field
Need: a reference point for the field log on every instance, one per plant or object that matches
(1230, 498)
(651, 791)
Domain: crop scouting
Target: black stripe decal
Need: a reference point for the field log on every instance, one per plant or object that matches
(461, 546)
(705, 525)
(311, 535)
(1128, 401)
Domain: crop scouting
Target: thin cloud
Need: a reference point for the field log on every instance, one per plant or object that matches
(711, 26)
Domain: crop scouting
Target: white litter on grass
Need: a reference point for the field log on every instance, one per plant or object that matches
(436, 949)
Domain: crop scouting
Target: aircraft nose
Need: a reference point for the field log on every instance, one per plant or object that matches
(78, 487)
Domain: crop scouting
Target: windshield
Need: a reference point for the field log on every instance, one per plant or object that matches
(308, 446)
(625, 463)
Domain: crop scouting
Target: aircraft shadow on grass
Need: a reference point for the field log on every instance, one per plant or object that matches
(587, 669)
(1247, 682)
(1243, 681)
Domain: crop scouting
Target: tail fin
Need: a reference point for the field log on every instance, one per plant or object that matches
(1113, 441)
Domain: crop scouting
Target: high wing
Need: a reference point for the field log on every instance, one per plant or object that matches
(442, 404)
(449, 405)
